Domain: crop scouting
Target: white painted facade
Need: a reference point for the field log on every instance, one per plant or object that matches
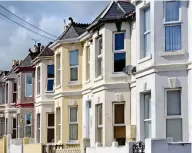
(156, 71)
(44, 103)
(107, 89)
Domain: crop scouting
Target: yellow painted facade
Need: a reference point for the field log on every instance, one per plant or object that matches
(67, 93)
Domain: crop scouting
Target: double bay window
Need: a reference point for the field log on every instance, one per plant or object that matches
(50, 128)
(28, 85)
(173, 115)
(14, 92)
(74, 65)
(100, 123)
(172, 26)
(38, 81)
(99, 54)
(73, 123)
(147, 115)
(119, 123)
(28, 124)
(119, 52)
(147, 32)
(50, 77)
(58, 62)
(58, 118)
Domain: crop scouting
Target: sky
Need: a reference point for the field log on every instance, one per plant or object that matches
(49, 16)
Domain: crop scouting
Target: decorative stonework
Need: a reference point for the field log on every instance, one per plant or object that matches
(118, 97)
(172, 82)
(73, 102)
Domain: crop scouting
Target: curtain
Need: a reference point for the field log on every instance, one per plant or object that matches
(73, 132)
(73, 114)
(147, 106)
(29, 90)
(172, 11)
(74, 58)
(147, 19)
(173, 38)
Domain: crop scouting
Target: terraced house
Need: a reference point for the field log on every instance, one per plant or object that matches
(68, 51)
(44, 92)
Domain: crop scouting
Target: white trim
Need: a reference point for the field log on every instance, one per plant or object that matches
(172, 53)
(144, 59)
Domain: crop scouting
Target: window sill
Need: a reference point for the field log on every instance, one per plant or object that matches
(98, 78)
(73, 83)
(87, 81)
(147, 58)
(59, 86)
(37, 96)
(72, 142)
(172, 53)
(49, 92)
(118, 75)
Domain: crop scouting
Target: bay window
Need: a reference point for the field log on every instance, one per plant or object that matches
(119, 52)
(173, 115)
(147, 115)
(99, 56)
(28, 85)
(172, 26)
(73, 123)
(50, 77)
(74, 65)
(147, 32)
(28, 125)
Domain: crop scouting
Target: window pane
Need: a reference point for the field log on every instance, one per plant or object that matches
(50, 135)
(174, 129)
(99, 64)
(119, 41)
(100, 114)
(74, 58)
(50, 71)
(38, 121)
(28, 131)
(119, 62)
(73, 114)
(73, 132)
(74, 74)
(147, 44)
(173, 38)
(28, 90)
(172, 11)
(28, 119)
(100, 135)
(120, 134)
(29, 78)
(14, 87)
(174, 102)
(14, 134)
(100, 45)
(14, 97)
(147, 106)
(58, 61)
(50, 85)
(119, 113)
(58, 115)
(38, 80)
(51, 119)
(3, 95)
(14, 123)
(147, 19)
(147, 129)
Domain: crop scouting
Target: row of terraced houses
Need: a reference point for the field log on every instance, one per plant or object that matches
(124, 77)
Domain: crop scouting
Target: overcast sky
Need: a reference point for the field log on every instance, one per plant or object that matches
(48, 16)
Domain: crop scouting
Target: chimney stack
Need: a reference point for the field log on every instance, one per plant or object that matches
(38, 47)
(16, 62)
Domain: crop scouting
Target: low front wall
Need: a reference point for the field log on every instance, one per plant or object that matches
(32, 148)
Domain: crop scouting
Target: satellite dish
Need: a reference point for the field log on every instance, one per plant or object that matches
(129, 69)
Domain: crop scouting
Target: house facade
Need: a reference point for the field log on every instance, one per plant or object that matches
(106, 91)
(162, 81)
(44, 92)
(68, 85)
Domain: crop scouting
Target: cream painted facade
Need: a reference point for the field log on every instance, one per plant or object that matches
(108, 89)
(44, 102)
(67, 94)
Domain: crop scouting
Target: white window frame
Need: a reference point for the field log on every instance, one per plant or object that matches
(149, 120)
(99, 56)
(28, 84)
(146, 32)
(50, 127)
(118, 51)
(118, 103)
(49, 79)
(38, 80)
(14, 92)
(73, 123)
(58, 69)
(28, 125)
(172, 23)
(74, 66)
(173, 116)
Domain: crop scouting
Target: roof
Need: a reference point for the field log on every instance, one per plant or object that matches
(114, 11)
(47, 51)
(2, 74)
(73, 31)
(11, 73)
